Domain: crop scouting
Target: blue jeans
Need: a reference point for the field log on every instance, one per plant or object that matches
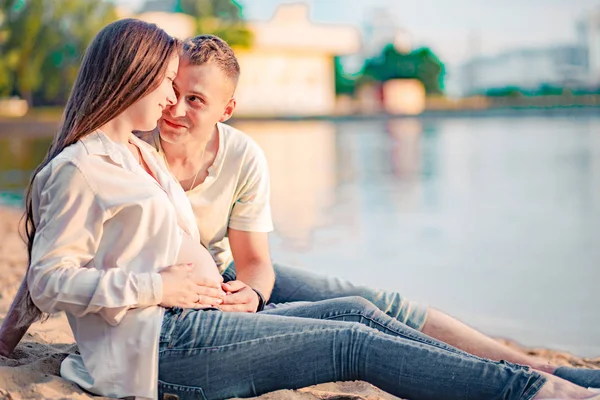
(294, 284)
(209, 354)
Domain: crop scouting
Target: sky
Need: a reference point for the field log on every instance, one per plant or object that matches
(449, 26)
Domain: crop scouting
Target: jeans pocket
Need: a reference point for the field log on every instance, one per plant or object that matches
(170, 391)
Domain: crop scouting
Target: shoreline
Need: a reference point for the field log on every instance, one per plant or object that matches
(44, 127)
(32, 371)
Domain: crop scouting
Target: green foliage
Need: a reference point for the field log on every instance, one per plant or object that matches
(222, 18)
(509, 91)
(421, 64)
(41, 44)
(542, 90)
(344, 83)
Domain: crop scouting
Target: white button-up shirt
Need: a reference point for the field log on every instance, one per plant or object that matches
(105, 228)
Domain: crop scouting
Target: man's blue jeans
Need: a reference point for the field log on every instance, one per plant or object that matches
(294, 284)
(209, 354)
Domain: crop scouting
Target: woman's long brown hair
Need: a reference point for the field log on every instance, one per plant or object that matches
(126, 60)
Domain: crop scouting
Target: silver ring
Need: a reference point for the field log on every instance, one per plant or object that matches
(199, 298)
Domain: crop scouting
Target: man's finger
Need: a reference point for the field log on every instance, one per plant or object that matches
(233, 286)
(238, 298)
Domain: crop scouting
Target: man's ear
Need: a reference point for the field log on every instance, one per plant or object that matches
(228, 110)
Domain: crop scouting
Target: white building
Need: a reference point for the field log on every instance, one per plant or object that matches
(589, 37)
(528, 69)
(289, 70)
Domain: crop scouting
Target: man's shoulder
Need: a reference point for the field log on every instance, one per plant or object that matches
(239, 142)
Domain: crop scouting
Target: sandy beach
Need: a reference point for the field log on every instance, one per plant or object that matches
(32, 371)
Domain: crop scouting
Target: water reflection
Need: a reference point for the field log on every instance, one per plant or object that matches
(19, 155)
(494, 220)
(302, 162)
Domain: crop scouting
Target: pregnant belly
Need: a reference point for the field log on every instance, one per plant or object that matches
(193, 252)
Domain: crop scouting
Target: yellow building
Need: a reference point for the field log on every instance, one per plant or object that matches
(289, 70)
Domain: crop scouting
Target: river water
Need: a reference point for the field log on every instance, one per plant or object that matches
(493, 220)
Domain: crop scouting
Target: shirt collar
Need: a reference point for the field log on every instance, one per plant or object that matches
(97, 143)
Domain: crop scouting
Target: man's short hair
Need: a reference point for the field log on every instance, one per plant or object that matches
(204, 48)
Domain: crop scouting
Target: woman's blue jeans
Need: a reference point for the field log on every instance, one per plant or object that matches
(209, 354)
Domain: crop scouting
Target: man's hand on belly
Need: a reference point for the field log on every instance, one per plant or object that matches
(240, 298)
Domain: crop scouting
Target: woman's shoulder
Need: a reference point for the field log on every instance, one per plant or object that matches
(73, 155)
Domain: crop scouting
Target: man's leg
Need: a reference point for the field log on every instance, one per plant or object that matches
(295, 284)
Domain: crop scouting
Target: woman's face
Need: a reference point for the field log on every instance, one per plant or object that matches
(145, 112)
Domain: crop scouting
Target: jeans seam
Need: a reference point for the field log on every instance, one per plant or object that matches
(252, 341)
(536, 387)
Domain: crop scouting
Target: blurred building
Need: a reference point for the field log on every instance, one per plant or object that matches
(403, 96)
(289, 70)
(589, 38)
(175, 24)
(528, 69)
(13, 107)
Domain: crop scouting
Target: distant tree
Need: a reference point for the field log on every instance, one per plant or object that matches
(344, 83)
(421, 64)
(41, 44)
(218, 17)
(508, 91)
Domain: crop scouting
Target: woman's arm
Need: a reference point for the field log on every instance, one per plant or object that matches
(61, 276)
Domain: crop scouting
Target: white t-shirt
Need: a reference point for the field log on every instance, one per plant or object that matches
(235, 194)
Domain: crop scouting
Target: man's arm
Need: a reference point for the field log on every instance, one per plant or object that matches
(253, 268)
(10, 333)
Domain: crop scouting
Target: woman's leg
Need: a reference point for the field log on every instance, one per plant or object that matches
(221, 355)
(297, 284)
(357, 309)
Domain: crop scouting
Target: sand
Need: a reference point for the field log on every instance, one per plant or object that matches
(32, 371)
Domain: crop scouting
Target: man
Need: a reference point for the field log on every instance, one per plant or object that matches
(226, 178)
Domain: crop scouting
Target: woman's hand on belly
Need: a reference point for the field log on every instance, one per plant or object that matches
(187, 286)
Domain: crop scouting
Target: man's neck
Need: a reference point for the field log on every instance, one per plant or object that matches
(188, 151)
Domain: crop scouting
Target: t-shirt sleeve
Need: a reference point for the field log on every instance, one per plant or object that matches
(252, 209)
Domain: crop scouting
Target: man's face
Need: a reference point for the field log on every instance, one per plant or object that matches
(204, 97)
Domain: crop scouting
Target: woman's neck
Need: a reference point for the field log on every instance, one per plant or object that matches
(118, 130)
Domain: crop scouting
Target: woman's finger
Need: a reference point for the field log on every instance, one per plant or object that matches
(209, 291)
(217, 293)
